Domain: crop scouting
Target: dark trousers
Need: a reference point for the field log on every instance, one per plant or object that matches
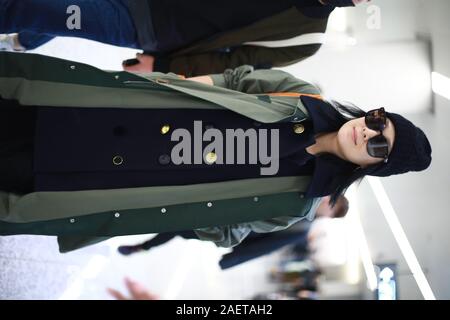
(107, 21)
(162, 238)
(31, 40)
(259, 244)
(17, 129)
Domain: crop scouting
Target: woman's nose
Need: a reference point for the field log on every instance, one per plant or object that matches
(369, 133)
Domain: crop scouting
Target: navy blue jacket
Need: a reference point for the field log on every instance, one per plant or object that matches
(75, 148)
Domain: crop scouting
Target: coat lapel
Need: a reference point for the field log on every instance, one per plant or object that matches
(23, 78)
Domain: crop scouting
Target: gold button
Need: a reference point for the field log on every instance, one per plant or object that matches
(299, 128)
(211, 158)
(165, 129)
(117, 160)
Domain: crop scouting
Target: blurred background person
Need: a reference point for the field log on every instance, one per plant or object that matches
(185, 37)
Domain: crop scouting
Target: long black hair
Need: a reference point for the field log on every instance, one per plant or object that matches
(347, 112)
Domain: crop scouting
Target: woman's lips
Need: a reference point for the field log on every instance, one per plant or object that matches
(354, 136)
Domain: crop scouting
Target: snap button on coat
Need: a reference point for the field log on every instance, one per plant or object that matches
(117, 160)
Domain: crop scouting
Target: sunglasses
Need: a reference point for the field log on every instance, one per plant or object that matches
(378, 146)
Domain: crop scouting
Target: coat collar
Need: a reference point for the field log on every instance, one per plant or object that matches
(329, 170)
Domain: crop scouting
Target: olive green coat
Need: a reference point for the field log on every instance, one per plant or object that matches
(43, 81)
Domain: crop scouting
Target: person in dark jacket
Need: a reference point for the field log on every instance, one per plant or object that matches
(185, 37)
(260, 244)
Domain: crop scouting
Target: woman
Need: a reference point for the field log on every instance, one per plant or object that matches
(100, 163)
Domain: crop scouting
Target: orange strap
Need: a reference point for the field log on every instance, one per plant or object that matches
(294, 94)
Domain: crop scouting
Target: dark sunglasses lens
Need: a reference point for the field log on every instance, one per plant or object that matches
(376, 119)
(377, 147)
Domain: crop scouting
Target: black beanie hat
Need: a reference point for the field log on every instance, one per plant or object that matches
(411, 150)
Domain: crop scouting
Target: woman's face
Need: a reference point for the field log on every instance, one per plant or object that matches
(353, 137)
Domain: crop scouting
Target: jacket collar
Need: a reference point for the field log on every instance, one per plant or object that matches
(324, 117)
(328, 169)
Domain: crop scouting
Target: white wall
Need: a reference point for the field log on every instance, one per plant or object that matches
(422, 203)
(398, 21)
(421, 200)
(393, 75)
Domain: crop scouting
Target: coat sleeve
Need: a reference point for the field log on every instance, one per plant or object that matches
(231, 236)
(191, 65)
(71, 243)
(246, 79)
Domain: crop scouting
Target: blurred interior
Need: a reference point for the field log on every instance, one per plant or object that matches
(394, 242)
